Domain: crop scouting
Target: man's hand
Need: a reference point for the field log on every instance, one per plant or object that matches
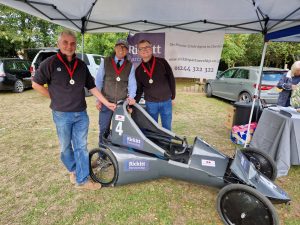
(131, 101)
(111, 106)
(173, 102)
(98, 105)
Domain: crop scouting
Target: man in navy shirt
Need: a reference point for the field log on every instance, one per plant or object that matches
(66, 77)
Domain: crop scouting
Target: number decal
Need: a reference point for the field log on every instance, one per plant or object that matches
(119, 129)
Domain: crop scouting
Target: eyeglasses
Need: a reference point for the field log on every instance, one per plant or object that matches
(145, 48)
(122, 47)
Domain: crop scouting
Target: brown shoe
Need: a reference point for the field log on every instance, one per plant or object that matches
(73, 178)
(89, 185)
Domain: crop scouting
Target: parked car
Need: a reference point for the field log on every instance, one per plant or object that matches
(239, 83)
(40, 57)
(92, 61)
(14, 74)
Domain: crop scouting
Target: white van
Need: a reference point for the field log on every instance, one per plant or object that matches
(92, 60)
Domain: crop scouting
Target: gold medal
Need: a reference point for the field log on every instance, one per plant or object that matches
(72, 82)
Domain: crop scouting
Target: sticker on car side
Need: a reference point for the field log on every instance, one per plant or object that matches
(133, 142)
(120, 118)
(136, 165)
(206, 162)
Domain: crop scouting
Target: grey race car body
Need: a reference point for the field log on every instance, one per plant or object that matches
(145, 151)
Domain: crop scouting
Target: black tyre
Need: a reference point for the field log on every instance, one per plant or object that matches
(103, 167)
(262, 162)
(208, 90)
(19, 86)
(245, 97)
(241, 204)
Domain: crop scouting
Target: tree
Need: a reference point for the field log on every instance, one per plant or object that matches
(102, 44)
(20, 31)
(234, 49)
(246, 50)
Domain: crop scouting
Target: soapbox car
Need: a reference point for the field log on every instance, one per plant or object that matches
(138, 149)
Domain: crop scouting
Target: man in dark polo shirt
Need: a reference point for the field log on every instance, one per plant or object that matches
(155, 78)
(66, 77)
(116, 81)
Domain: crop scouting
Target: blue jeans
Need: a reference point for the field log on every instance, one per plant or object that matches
(164, 109)
(72, 131)
(105, 116)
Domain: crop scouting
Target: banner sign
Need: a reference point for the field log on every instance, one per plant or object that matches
(189, 54)
(194, 55)
(158, 45)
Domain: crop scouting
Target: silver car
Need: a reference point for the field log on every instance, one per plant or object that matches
(239, 83)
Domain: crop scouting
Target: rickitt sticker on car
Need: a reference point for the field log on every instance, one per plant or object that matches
(133, 142)
(206, 162)
(136, 165)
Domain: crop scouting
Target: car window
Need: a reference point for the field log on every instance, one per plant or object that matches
(42, 56)
(9, 65)
(242, 74)
(228, 73)
(22, 65)
(85, 58)
(97, 59)
(273, 76)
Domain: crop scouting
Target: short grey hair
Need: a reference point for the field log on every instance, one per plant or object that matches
(67, 32)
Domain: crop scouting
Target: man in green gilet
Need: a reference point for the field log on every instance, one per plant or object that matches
(116, 81)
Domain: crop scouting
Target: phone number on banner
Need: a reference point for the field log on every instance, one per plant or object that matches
(194, 69)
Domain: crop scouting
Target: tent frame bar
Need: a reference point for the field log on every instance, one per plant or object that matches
(256, 93)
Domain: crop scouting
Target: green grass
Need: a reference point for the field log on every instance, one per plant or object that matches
(35, 188)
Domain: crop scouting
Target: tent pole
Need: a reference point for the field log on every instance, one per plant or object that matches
(256, 89)
(82, 45)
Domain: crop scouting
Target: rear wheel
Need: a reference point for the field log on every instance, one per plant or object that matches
(241, 204)
(245, 97)
(208, 90)
(262, 162)
(103, 167)
(19, 86)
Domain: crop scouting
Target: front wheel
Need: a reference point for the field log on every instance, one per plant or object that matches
(241, 204)
(103, 167)
(262, 162)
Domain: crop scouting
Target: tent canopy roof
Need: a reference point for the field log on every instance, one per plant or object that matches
(233, 16)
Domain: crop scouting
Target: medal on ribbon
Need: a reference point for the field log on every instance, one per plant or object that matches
(149, 73)
(118, 71)
(70, 71)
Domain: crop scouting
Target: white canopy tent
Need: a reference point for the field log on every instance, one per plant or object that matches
(232, 16)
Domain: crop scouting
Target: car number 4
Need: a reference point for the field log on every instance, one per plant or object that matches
(119, 128)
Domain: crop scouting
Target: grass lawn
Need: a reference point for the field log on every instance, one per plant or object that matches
(35, 187)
